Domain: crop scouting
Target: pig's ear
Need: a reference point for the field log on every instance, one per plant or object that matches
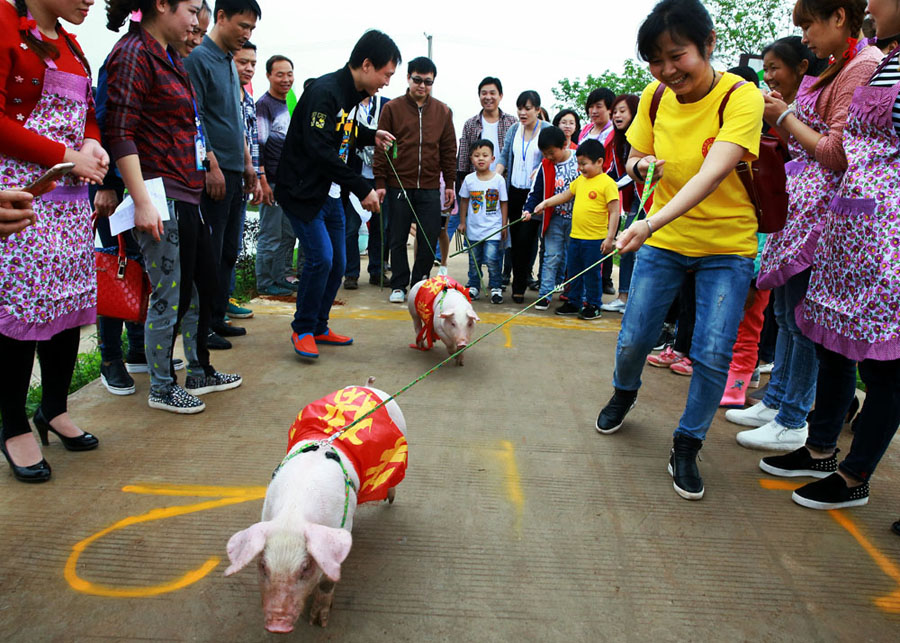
(447, 313)
(245, 545)
(473, 315)
(329, 547)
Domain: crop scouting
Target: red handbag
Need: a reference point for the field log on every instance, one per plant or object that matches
(123, 288)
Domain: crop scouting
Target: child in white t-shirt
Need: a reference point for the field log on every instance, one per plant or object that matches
(482, 211)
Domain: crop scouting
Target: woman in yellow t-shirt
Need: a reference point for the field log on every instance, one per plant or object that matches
(702, 220)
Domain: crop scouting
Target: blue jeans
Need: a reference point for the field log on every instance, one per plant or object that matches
(792, 387)
(324, 259)
(722, 282)
(556, 239)
(488, 253)
(588, 287)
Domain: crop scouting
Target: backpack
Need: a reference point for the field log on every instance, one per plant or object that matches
(764, 180)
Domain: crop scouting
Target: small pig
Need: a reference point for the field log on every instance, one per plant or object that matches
(304, 535)
(440, 309)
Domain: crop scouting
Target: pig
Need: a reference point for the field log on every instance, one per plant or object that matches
(300, 537)
(453, 322)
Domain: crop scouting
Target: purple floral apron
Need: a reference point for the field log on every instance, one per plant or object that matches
(810, 187)
(852, 306)
(48, 281)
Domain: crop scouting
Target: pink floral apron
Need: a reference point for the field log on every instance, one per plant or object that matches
(47, 278)
(810, 186)
(852, 306)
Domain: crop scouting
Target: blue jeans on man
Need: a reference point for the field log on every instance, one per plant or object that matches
(486, 252)
(324, 258)
(722, 282)
(556, 241)
(792, 386)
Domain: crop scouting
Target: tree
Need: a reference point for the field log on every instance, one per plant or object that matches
(742, 27)
(573, 93)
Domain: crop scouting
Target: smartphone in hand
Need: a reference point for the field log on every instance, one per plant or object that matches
(43, 183)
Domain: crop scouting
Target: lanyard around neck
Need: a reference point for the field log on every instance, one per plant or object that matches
(525, 147)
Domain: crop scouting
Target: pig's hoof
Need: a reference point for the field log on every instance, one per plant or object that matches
(318, 615)
(392, 493)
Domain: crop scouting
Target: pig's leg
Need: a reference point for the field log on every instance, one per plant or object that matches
(417, 326)
(391, 494)
(321, 602)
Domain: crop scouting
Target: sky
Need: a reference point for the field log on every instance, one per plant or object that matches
(528, 45)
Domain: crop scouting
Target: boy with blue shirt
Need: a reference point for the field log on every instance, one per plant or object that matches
(595, 221)
(482, 210)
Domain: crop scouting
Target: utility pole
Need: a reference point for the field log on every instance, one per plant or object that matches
(429, 37)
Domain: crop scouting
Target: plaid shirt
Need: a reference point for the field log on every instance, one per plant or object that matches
(251, 131)
(150, 112)
(472, 132)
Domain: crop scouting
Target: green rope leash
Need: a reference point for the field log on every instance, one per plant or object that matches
(409, 203)
(477, 264)
(487, 238)
(348, 482)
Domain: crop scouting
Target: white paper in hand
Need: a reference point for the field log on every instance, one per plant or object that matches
(122, 219)
(364, 214)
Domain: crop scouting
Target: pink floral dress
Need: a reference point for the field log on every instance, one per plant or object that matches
(852, 306)
(48, 281)
(810, 186)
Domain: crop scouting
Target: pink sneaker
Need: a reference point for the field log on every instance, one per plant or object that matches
(682, 367)
(665, 359)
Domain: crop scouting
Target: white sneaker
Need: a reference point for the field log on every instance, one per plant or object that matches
(473, 293)
(442, 271)
(397, 297)
(496, 296)
(774, 437)
(615, 306)
(766, 369)
(756, 415)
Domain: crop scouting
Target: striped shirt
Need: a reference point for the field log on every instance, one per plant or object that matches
(888, 77)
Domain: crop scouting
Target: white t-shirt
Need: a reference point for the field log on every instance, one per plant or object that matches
(483, 215)
(491, 131)
(526, 158)
(566, 172)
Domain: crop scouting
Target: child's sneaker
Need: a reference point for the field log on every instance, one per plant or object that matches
(496, 296)
(568, 308)
(473, 293)
(211, 382)
(684, 366)
(664, 359)
(177, 400)
(590, 312)
(543, 303)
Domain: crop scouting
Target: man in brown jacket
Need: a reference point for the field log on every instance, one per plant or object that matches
(426, 147)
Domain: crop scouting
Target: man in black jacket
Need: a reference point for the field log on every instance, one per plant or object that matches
(312, 172)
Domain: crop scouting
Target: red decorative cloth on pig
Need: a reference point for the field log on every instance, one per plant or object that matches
(425, 306)
(376, 446)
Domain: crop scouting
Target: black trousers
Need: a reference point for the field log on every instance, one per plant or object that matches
(428, 208)
(522, 238)
(57, 356)
(224, 219)
(198, 269)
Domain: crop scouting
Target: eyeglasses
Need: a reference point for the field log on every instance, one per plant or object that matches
(418, 80)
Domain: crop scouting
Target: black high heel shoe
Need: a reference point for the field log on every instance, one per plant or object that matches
(39, 472)
(84, 442)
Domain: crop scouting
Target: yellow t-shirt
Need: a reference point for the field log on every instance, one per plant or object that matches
(725, 221)
(590, 212)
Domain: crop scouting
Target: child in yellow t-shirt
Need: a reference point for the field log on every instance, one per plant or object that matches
(595, 221)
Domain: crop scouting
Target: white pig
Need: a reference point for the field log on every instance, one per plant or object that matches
(301, 536)
(453, 321)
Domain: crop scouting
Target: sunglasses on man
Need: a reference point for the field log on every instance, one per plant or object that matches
(418, 80)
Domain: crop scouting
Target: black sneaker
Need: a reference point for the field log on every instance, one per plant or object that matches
(608, 287)
(351, 283)
(590, 312)
(666, 337)
(543, 303)
(177, 400)
(216, 342)
(211, 382)
(683, 467)
(799, 463)
(568, 308)
(831, 493)
(116, 378)
(227, 330)
(613, 414)
(138, 363)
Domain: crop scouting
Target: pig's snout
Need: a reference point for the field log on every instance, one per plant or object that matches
(461, 345)
(280, 625)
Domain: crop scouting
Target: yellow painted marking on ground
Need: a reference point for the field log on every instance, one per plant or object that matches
(513, 484)
(508, 333)
(889, 603)
(227, 496)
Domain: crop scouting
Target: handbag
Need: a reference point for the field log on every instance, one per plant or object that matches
(123, 288)
(764, 179)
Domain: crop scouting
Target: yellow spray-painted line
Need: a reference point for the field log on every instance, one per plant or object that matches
(508, 333)
(227, 496)
(513, 483)
(889, 603)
